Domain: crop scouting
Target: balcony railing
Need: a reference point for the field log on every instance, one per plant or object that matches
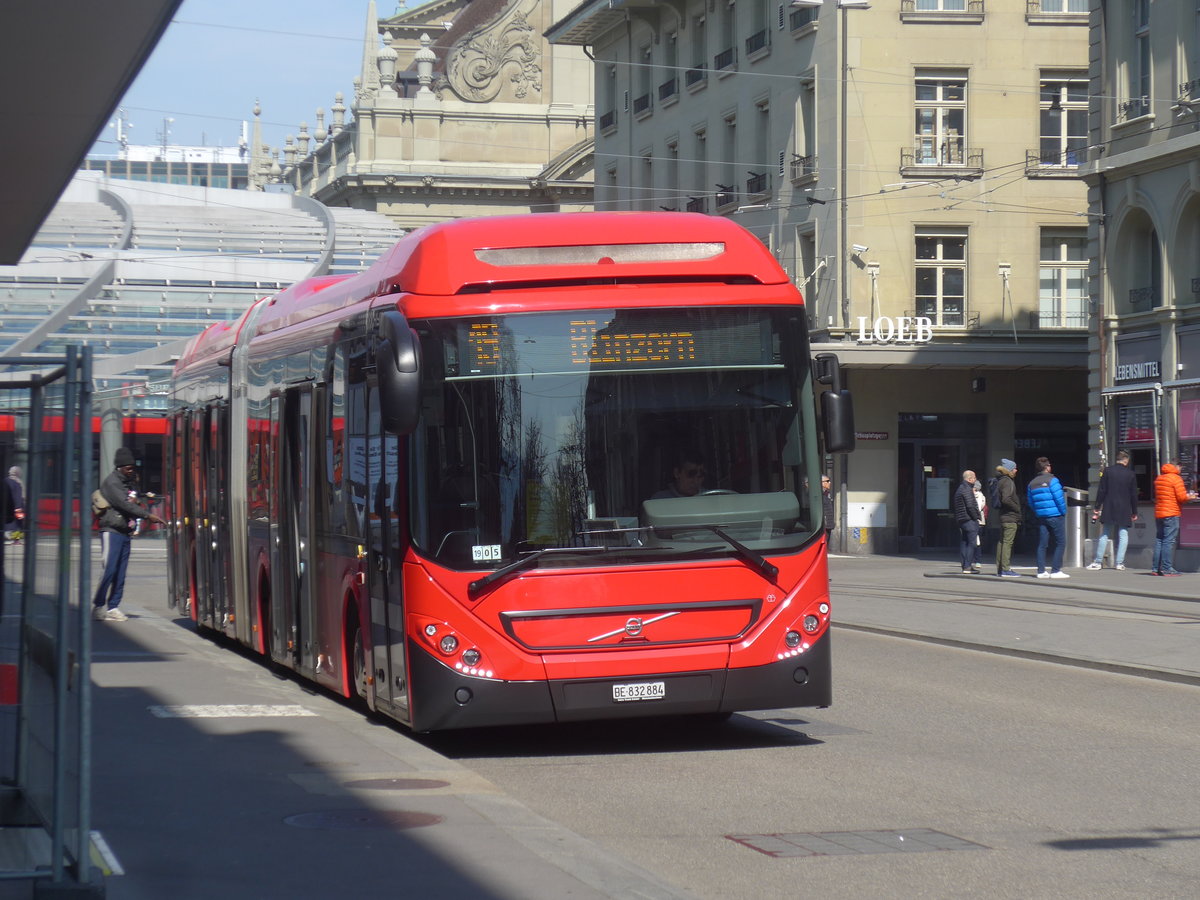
(694, 76)
(798, 18)
(1196, 286)
(1189, 91)
(726, 196)
(944, 7)
(696, 204)
(1143, 298)
(951, 317)
(1132, 109)
(1061, 321)
(948, 154)
(724, 59)
(1077, 8)
(1040, 160)
(758, 41)
(757, 184)
(803, 167)
(668, 89)
(641, 104)
(608, 120)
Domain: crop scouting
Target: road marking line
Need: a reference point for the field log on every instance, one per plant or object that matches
(228, 711)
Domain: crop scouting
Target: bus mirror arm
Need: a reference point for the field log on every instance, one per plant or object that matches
(398, 364)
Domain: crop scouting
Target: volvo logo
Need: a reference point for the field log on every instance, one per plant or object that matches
(633, 626)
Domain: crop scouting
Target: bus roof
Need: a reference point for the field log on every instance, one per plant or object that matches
(472, 255)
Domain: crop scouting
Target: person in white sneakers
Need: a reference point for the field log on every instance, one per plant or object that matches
(116, 524)
(1116, 510)
(1046, 498)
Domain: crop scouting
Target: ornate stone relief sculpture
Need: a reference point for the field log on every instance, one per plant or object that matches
(504, 52)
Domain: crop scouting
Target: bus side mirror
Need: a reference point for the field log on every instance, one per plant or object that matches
(837, 407)
(398, 366)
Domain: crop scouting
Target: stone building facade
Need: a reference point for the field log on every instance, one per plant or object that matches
(464, 109)
(1144, 197)
(914, 166)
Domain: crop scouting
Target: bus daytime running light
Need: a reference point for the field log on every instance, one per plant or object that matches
(448, 644)
(471, 657)
(792, 639)
(811, 624)
(823, 609)
(430, 630)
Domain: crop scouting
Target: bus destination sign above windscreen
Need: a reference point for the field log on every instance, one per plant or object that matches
(613, 341)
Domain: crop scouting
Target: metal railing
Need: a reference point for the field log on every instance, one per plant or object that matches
(947, 154)
(724, 60)
(46, 755)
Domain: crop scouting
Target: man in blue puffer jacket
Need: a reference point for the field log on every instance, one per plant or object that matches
(1045, 497)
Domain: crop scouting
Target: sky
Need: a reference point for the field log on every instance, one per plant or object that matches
(218, 56)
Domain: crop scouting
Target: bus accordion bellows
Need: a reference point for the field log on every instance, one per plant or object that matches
(445, 484)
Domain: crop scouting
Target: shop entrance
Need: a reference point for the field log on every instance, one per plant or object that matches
(934, 449)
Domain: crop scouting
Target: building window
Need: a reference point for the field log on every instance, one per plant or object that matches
(725, 58)
(669, 86)
(941, 276)
(727, 193)
(941, 117)
(1063, 115)
(643, 78)
(697, 203)
(1062, 280)
(1138, 102)
(758, 181)
(671, 200)
(696, 76)
(804, 160)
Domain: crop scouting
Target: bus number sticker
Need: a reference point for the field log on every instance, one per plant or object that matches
(646, 690)
(485, 552)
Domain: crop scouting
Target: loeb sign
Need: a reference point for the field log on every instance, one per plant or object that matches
(902, 330)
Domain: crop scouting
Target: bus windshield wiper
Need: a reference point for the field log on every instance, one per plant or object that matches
(477, 587)
(752, 558)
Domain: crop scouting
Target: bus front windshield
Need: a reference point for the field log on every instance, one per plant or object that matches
(618, 435)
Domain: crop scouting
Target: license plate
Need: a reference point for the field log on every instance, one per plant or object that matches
(644, 690)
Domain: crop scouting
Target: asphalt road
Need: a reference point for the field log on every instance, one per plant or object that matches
(1065, 782)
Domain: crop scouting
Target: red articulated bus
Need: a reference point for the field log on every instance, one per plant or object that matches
(445, 484)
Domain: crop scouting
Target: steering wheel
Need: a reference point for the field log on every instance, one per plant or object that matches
(716, 491)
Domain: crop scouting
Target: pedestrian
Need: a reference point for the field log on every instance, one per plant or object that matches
(116, 525)
(1046, 498)
(1116, 510)
(1169, 493)
(14, 520)
(1007, 503)
(966, 514)
(827, 505)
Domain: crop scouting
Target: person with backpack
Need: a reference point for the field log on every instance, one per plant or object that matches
(116, 524)
(1003, 498)
(1046, 498)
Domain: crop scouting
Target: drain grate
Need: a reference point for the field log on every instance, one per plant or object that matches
(844, 843)
(398, 784)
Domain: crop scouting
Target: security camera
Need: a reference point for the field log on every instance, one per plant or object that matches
(859, 248)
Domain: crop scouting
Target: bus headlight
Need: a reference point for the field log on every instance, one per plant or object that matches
(448, 644)
(471, 657)
(811, 624)
(792, 639)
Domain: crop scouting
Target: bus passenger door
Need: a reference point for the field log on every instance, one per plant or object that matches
(386, 556)
(198, 461)
(292, 565)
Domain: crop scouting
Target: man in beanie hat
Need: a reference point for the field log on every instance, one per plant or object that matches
(1009, 509)
(116, 524)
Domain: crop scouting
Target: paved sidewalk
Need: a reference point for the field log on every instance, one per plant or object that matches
(1125, 621)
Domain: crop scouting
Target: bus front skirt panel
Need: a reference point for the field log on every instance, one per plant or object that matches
(444, 698)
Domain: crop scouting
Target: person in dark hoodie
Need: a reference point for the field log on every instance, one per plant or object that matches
(116, 525)
(1009, 511)
(1045, 497)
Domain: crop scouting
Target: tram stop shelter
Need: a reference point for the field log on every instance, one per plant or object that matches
(47, 848)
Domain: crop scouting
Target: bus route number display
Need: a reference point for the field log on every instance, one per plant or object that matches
(599, 347)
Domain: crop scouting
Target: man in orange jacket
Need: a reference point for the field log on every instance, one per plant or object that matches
(1169, 493)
